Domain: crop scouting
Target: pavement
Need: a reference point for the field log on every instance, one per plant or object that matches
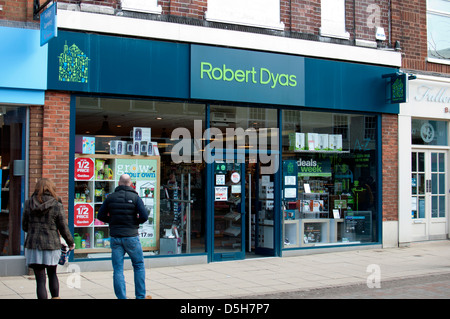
(369, 268)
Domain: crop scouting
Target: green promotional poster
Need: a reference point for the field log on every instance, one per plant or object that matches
(313, 167)
(143, 173)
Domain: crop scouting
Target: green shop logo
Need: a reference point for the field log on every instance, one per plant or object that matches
(398, 90)
(252, 75)
(73, 65)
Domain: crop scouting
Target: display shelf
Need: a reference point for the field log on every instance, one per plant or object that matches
(314, 231)
(96, 176)
(336, 229)
(291, 235)
(314, 205)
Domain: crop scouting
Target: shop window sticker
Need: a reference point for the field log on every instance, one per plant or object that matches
(73, 65)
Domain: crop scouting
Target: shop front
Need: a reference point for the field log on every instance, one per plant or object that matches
(423, 149)
(18, 92)
(235, 153)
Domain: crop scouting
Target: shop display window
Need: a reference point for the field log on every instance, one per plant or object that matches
(329, 174)
(116, 136)
(12, 171)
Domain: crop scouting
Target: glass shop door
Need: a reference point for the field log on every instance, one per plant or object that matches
(229, 211)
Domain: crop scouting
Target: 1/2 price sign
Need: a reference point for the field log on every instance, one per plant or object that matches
(84, 169)
(83, 215)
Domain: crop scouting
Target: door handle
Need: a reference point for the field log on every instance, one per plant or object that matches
(428, 186)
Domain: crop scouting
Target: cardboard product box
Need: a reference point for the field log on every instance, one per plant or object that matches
(144, 147)
(289, 214)
(317, 206)
(169, 246)
(154, 150)
(136, 148)
(335, 142)
(118, 147)
(142, 134)
(306, 206)
(130, 148)
(323, 142)
(297, 141)
(313, 141)
(84, 144)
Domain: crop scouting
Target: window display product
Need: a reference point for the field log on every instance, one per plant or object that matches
(118, 147)
(297, 141)
(85, 144)
(91, 235)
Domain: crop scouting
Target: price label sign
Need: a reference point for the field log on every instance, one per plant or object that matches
(83, 215)
(84, 169)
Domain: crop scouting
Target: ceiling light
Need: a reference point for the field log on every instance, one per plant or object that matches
(105, 131)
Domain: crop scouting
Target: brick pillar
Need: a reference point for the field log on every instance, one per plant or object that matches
(55, 141)
(35, 152)
(389, 133)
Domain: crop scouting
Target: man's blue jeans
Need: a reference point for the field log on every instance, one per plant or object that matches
(131, 246)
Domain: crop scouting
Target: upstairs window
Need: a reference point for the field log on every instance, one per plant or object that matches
(146, 6)
(438, 31)
(255, 13)
(333, 19)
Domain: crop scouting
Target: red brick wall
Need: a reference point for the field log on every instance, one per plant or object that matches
(305, 15)
(363, 18)
(409, 26)
(17, 10)
(389, 134)
(35, 159)
(185, 8)
(55, 141)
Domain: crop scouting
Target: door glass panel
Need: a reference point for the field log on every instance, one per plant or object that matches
(421, 162)
(434, 162)
(442, 184)
(441, 206)
(421, 207)
(434, 182)
(265, 217)
(434, 206)
(421, 183)
(414, 184)
(227, 208)
(441, 162)
(417, 185)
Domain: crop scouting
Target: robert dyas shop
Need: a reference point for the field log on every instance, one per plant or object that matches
(235, 153)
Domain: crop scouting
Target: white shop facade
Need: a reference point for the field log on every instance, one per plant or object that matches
(424, 160)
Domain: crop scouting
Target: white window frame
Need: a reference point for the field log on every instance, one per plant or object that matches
(333, 19)
(255, 13)
(146, 6)
(430, 58)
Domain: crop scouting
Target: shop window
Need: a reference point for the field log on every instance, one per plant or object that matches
(115, 136)
(12, 174)
(438, 24)
(256, 13)
(229, 120)
(425, 132)
(329, 179)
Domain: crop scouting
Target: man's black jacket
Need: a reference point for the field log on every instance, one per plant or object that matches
(123, 210)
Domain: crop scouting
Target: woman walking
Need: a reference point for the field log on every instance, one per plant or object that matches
(44, 221)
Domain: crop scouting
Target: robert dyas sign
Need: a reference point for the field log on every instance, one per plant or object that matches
(246, 76)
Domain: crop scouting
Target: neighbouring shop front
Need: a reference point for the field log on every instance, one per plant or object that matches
(235, 153)
(423, 151)
(25, 64)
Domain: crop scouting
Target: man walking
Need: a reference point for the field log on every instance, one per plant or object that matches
(124, 210)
